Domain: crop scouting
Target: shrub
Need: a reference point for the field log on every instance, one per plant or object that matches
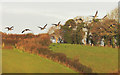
(8, 47)
(9, 41)
(44, 40)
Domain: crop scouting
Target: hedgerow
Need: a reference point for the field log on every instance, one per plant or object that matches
(40, 46)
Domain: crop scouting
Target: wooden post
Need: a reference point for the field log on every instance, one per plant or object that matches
(56, 39)
(85, 42)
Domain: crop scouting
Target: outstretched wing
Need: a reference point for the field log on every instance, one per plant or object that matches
(11, 27)
(23, 31)
(27, 29)
(39, 27)
(96, 14)
(45, 26)
(92, 16)
(104, 17)
(54, 24)
(6, 27)
(59, 22)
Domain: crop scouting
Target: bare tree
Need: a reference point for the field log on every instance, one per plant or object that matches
(113, 14)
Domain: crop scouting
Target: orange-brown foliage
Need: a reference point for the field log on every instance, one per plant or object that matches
(32, 45)
(8, 47)
(39, 44)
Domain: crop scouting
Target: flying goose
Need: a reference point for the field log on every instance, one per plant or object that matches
(104, 17)
(26, 30)
(57, 24)
(42, 28)
(95, 15)
(9, 28)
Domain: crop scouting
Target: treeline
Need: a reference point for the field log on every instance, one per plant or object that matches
(103, 32)
(94, 31)
(18, 36)
(12, 39)
(74, 32)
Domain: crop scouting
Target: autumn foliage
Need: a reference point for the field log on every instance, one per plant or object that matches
(40, 46)
(33, 45)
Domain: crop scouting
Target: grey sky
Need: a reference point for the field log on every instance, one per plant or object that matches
(32, 14)
(119, 11)
(59, 0)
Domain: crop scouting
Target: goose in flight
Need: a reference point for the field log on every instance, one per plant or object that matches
(42, 28)
(9, 28)
(26, 30)
(95, 15)
(104, 17)
(57, 24)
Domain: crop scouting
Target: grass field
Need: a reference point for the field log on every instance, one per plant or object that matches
(100, 59)
(14, 61)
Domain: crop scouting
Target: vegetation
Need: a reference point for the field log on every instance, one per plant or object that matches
(34, 45)
(106, 30)
(12, 39)
(93, 31)
(70, 33)
(40, 45)
(73, 54)
(15, 61)
(100, 59)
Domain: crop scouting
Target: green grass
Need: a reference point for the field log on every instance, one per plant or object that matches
(14, 61)
(100, 59)
(0, 61)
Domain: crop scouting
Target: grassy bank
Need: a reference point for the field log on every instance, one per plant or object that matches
(14, 61)
(100, 59)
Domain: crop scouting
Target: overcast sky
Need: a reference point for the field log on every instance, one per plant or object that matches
(32, 14)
